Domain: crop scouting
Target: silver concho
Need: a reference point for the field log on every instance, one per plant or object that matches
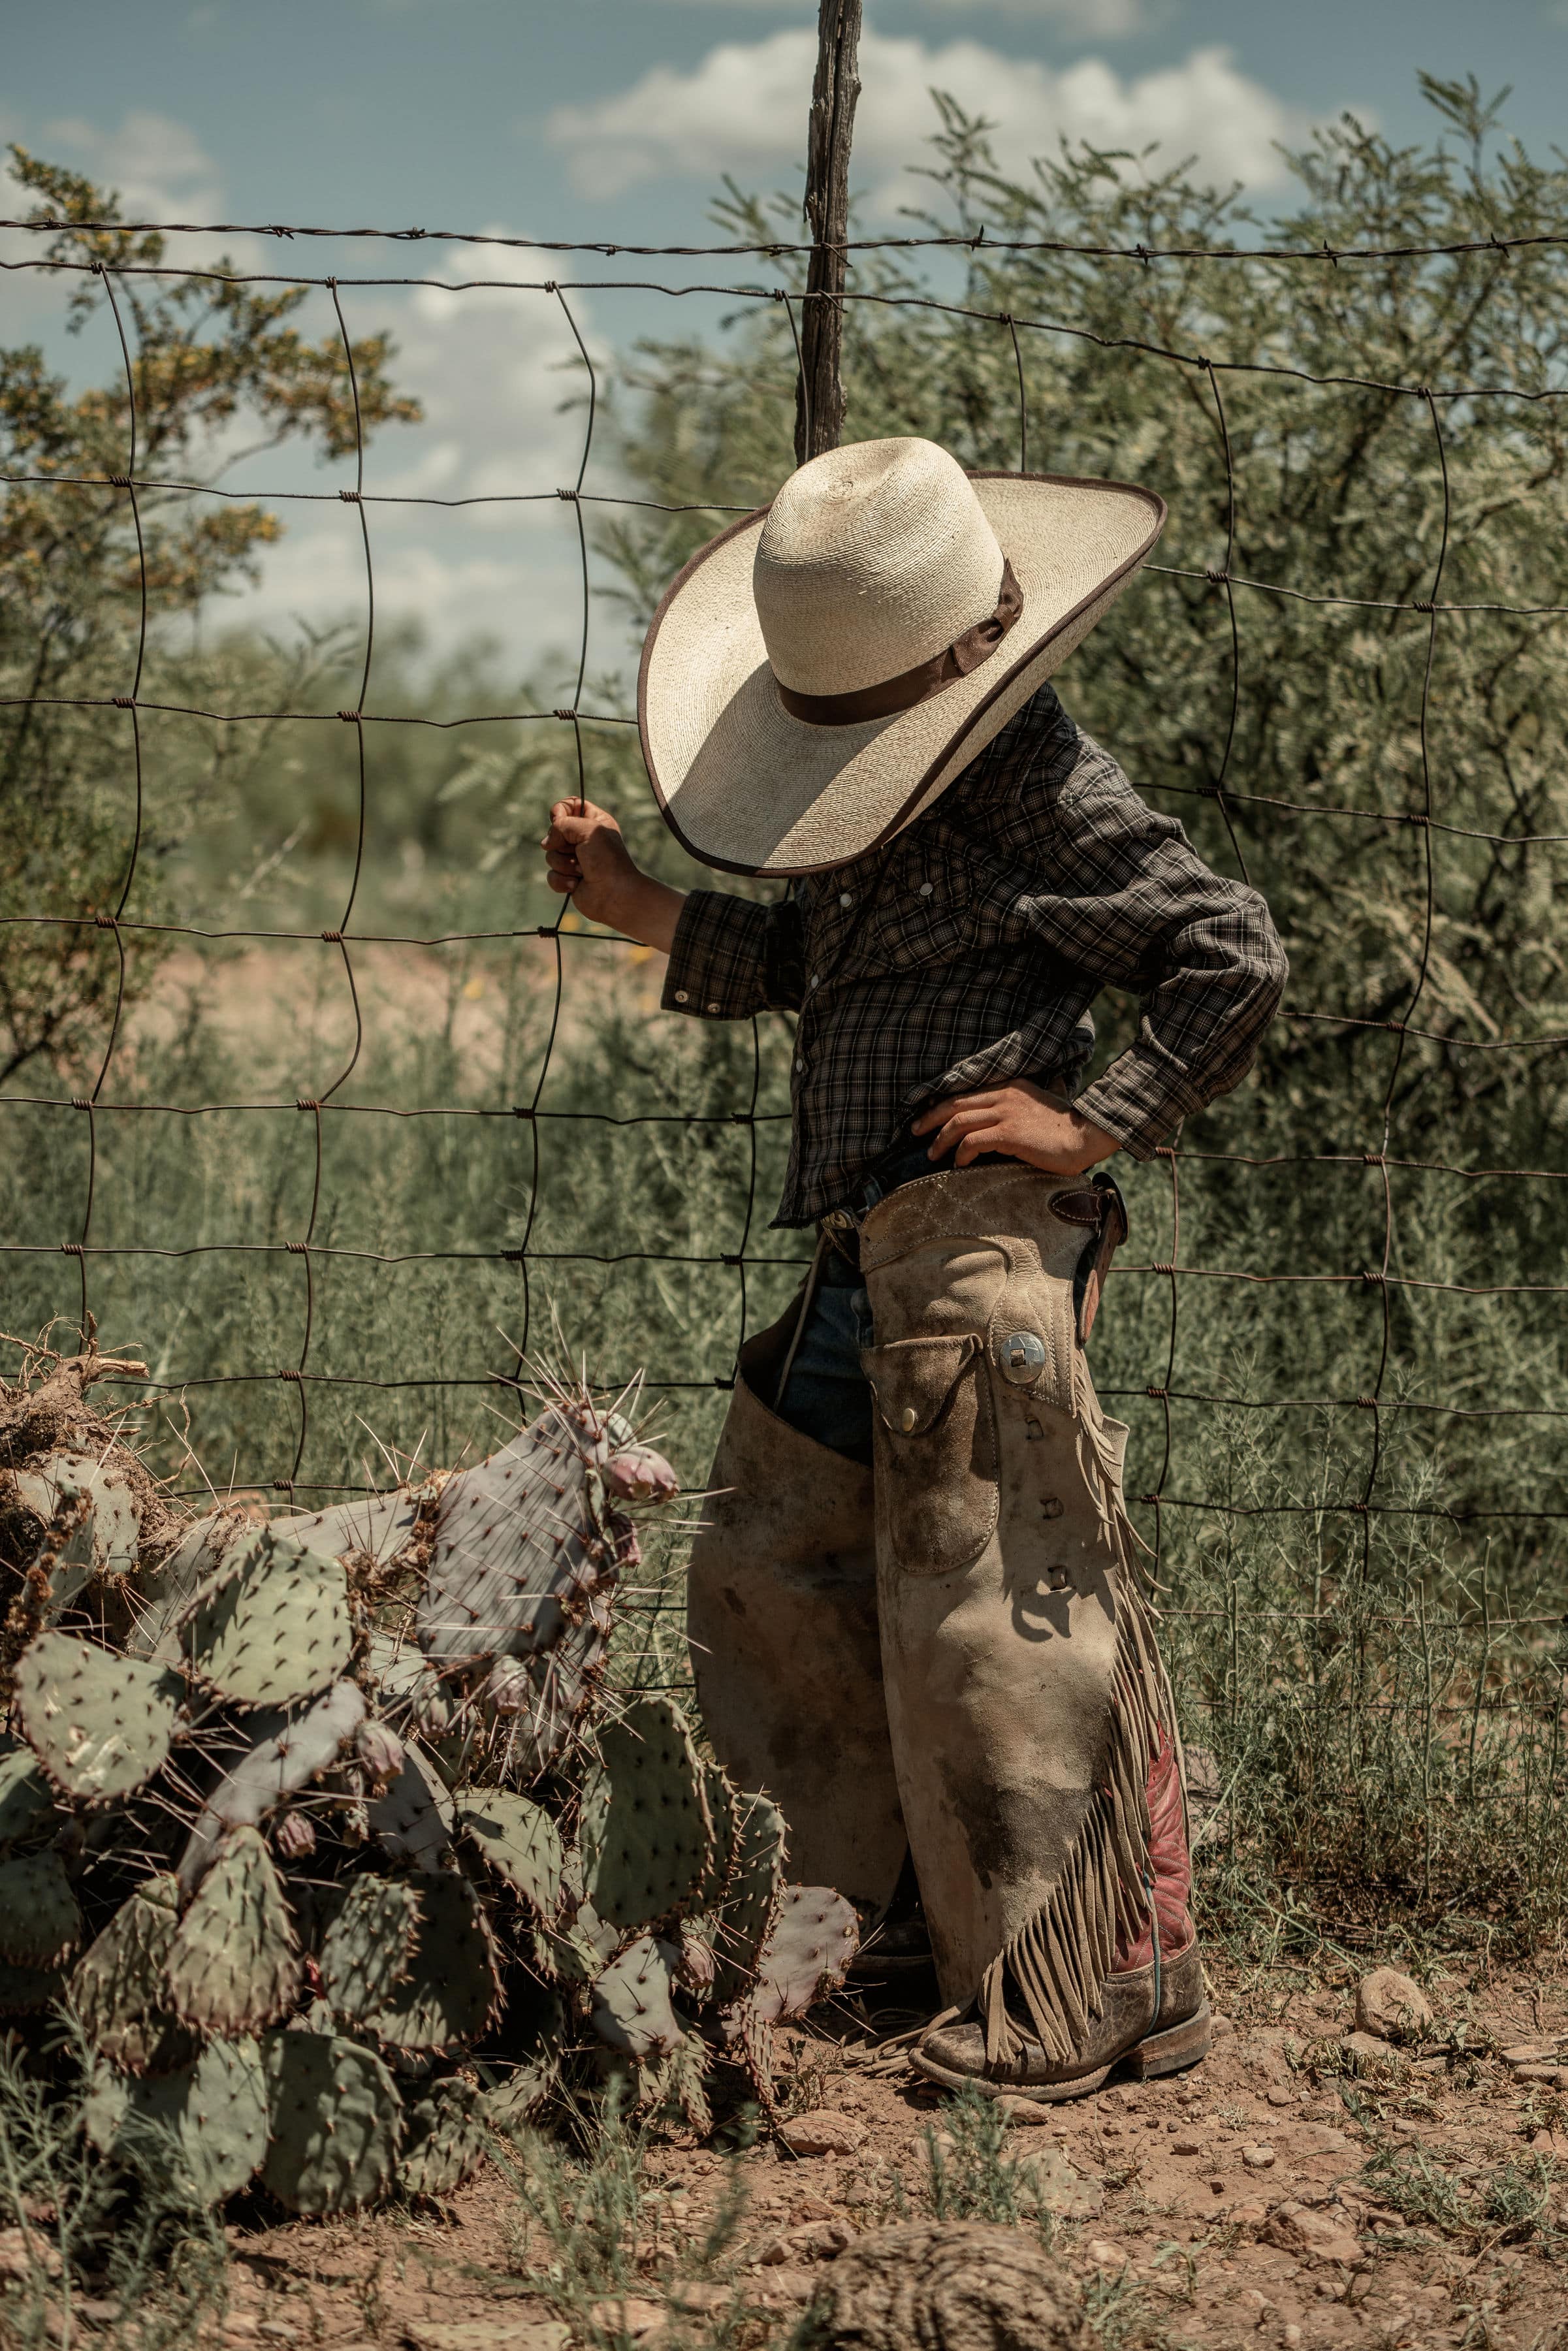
(1020, 1357)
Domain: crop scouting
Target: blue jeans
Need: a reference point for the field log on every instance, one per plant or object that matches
(826, 1396)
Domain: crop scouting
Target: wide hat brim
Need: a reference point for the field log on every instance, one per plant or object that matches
(746, 787)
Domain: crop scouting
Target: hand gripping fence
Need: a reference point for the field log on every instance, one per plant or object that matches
(1383, 1278)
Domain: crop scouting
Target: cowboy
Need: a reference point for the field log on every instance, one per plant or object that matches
(915, 1614)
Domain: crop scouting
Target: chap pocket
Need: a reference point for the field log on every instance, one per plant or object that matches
(936, 1439)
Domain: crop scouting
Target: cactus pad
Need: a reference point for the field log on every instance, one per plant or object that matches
(234, 1962)
(646, 1835)
(118, 1985)
(283, 1754)
(40, 1923)
(380, 1524)
(203, 2129)
(452, 1987)
(749, 1894)
(516, 1551)
(520, 1842)
(100, 1725)
(413, 1816)
(336, 2123)
(814, 1936)
(26, 1797)
(445, 2138)
(271, 1627)
(632, 2010)
(366, 1950)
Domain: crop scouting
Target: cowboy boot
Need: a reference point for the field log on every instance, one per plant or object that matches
(781, 1615)
(1031, 1718)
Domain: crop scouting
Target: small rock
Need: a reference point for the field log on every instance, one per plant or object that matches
(630, 2315)
(1393, 2006)
(1105, 2255)
(811, 2208)
(781, 2289)
(1313, 2236)
(819, 2240)
(487, 2334)
(1553, 2143)
(1277, 2097)
(821, 2132)
(1220, 2024)
(1530, 2052)
(1028, 2111)
(1186, 2143)
(1248, 2215)
(1368, 2050)
(699, 2299)
(95, 2312)
(1258, 2158)
(1290, 2336)
(1258, 2304)
(1070, 2194)
(23, 2252)
(1552, 2074)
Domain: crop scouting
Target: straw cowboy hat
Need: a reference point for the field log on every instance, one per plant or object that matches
(820, 671)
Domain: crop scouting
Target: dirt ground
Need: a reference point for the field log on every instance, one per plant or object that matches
(1296, 2190)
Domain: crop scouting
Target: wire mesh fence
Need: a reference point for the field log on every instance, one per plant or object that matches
(1372, 1633)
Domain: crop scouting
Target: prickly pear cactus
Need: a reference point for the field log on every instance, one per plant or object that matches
(520, 1842)
(119, 1989)
(26, 1797)
(444, 2141)
(633, 2010)
(335, 2123)
(100, 1725)
(40, 1919)
(234, 1962)
(646, 1834)
(753, 1873)
(271, 1627)
(202, 2130)
(278, 1755)
(367, 1948)
(451, 1986)
(516, 1553)
(814, 1936)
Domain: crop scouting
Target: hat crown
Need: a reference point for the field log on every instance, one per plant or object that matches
(873, 559)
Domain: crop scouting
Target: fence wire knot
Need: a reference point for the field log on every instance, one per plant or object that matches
(81, 1102)
(350, 498)
(333, 938)
(125, 701)
(306, 1102)
(71, 1249)
(350, 717)
(297, 1377)
(106, 921)
(1159, 1395)
(297, 1248)
(565, 713)
(570, 495)
(1374, 1281)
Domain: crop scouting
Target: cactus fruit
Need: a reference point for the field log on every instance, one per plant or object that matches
(40, 1919)
(282, 1754)
(100, 1725)
(271, 1627)
(380, 1750)
(366, 1950)
(25, 1798)
(636, 1473)
(520, 1842)
(646, 1834)
(335, 2123)
(753, 1872)
(118, 1985)
(233, 1963)
(444, 2141)
(814, 1936)
(632, 2009)
(450, 1986)
(203, 2130)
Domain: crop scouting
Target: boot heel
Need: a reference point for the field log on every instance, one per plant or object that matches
(1172, 2050)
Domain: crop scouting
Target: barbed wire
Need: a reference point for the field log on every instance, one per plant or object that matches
(1379, 1281)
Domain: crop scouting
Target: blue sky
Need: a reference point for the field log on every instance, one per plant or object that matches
(612, 119)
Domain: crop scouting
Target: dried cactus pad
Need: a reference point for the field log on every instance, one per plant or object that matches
(646, 1834)
(452, 1987)
(40, 1923)
(214, 2112)
(366, 1950)
(336, 2123)
(520, 1842)
(512, 1544)
(233, 1963)
(814, 1935)
(100, 1725)
(271, 1627)
(632, 2010)
(118, 1984)
(284, 1754)
(749, 1894)
(445, 2141)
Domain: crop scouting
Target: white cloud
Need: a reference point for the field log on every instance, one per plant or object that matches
(743, 109)
(159, 167)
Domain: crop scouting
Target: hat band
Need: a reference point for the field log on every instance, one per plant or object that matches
(919, 683)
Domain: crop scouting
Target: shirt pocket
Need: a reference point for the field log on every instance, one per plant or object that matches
(935, 1445)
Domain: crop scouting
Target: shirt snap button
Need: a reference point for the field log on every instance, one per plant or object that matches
(846, 898)
(799, 1068)
(712, 1008)
(906, 1418)
(682, 996)
(926, 889)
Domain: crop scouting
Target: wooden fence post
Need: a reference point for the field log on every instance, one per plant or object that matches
(820, 390)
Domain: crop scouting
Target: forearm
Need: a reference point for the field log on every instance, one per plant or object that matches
(648, 911)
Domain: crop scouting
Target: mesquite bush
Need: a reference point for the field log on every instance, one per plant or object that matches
(332, 1837)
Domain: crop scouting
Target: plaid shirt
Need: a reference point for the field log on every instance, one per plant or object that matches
(968, 951)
